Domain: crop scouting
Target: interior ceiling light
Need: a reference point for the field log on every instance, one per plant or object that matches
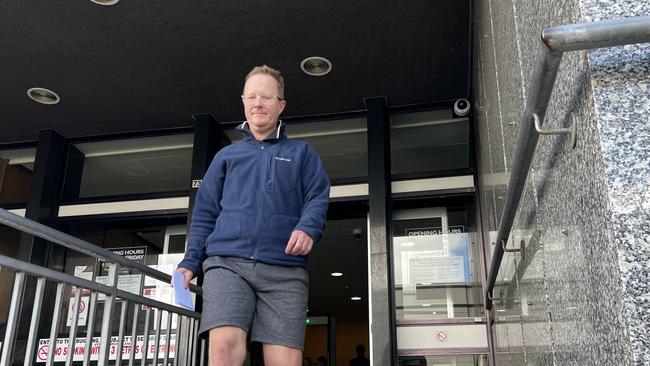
(336, 274)
(316, 66)
(355, 298)
(43, 96)
(105, 2)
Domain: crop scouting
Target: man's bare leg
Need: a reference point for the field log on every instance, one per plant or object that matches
(227, 346)
(276, 355)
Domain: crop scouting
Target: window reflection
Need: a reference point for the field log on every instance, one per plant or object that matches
(131, 166)
(429, 143)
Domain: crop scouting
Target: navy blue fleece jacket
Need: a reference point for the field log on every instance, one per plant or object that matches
(254, 194)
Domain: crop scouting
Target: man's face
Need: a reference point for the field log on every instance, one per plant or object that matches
(261, 115)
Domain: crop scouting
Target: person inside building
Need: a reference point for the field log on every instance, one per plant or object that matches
(361, 359)
(260, 209)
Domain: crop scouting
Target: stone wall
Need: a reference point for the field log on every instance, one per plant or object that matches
(579, 294)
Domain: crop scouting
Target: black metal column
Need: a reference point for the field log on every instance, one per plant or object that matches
(44, 192)
(45, 189)
(331, 340)
(383, 332)
(208, 139)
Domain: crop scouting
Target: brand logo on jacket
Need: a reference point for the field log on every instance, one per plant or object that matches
(282, 159)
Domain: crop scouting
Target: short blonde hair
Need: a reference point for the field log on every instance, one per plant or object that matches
(267, 70)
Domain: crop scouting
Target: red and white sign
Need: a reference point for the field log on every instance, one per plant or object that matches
(441, 336)
(62, 348)
(83, 311)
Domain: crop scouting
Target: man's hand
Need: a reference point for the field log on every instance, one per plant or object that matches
(187, 275)
(299, 243)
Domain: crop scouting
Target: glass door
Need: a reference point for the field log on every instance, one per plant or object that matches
(438, 303)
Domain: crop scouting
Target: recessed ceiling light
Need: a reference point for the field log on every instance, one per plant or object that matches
(434, 313)
(426, 305)
(105, 2)
(336, 274)
(43, 96)
(355, 298)
(501, 310)
(316, 66)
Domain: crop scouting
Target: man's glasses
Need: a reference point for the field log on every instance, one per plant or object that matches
(265, 99)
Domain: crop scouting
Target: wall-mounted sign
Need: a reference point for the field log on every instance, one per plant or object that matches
(432, 259)
(62, 348)
(83, 311)
(454, 229)
(196, 183)
(136, 254)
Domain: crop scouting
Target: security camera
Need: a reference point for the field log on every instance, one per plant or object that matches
(461, 107)
(356, 232)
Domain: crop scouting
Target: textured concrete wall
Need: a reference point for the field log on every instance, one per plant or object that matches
(579, 295)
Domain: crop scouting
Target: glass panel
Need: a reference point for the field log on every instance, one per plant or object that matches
(460, 360)
(429, 142)
(16, 168)
(436, 265)
(341, 144)
(143, 165)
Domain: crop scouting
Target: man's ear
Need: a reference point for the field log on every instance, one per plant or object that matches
(283, 104)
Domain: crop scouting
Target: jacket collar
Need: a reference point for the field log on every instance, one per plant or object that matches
(277, 134)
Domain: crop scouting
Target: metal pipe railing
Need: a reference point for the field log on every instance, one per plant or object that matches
(555, 41)
(24, 269)
(111, 294)
(42, 231)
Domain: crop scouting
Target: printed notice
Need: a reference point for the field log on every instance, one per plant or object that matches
(437, 269)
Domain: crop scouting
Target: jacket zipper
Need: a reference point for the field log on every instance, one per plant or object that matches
(260, 161)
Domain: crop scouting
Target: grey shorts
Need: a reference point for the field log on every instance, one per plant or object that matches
(267, 301)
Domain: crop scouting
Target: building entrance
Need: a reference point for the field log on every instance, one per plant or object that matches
(436, 263)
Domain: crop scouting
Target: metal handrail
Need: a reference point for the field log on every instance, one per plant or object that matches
(60, 277)
(76, 244)
(555, 41)
(111, 292)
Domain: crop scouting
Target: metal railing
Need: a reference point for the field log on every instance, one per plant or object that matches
(184, 342)
(555, 41)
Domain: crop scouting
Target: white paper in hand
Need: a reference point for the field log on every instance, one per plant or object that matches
(182, 296)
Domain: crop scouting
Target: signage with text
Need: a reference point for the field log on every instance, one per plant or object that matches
(62, 348)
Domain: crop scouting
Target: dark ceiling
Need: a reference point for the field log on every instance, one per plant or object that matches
(142, 65)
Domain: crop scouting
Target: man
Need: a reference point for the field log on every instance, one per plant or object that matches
(259, 211)
(361, 359)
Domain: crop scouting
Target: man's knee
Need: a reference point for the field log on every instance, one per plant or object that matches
(227, 345)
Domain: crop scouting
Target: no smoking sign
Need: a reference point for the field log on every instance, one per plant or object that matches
(441, 336)
(42, 352)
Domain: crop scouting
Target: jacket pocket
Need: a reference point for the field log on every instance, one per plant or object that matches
(227, 227)
(284, 174)
(279, 231)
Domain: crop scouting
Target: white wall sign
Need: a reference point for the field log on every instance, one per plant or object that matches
(130, 283)
(62, 348)
(83, 311)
